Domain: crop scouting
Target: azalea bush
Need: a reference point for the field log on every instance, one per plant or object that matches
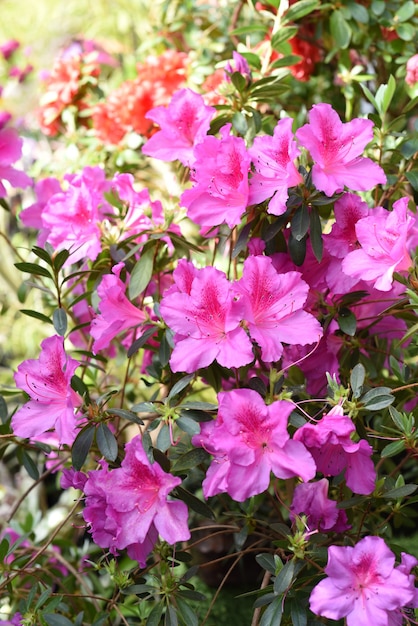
(216, 248)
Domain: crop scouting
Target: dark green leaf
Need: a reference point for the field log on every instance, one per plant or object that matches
(170, 617)
(297, 250)
(60, 259)
(197, 416)
(155, 616)
(193, 502)
(242, 240)
(378, 7)
(239, 123)
(144, 407)
(400, 492)
(186, 613)
(359, 12)
(141, 341)
(163, 438)
(284, 579)
(340, 29)
(357, 379)
(191, 459)
(180, 385)
(347, 322)
(188, 425)
(199, 406)
(142, 273)
(239, 82)
(28, 463)
(42, 254)
(249, 30)
(4, 546)
(59, 318)
(35, 270)
(106, 442)
(81, 446)
(315, 235)
(300, 222)
(128, 415)
(3, 412)
(394, 448)
(56, 620)
(164, 350)
(79, 386)
(36, 315)
(282, 35)
(300, 9)
(266, 561)
(298, 613)
(272, 616)
(412, 177)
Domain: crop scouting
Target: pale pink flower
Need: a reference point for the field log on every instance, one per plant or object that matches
(53, 403)
(31, 217)
(220, 176)
(329, 441)
(275, 171)
(183, 124)
(336, 149)
(362, 585)
(249, 440)
(412, 70)
(10, 152)
(272, 304)
(311, 499)
(383, 236)
(206, 322)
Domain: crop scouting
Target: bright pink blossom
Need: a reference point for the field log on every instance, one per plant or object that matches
(362, 585)
(53, 402)
(128, 507)
(336, 149)
(117, 313)
(206, 322)
(311, 499)
(383, 236)
(412, 70)
(10, 152)
(272, 305)
(275, 171)
(220, 176)
(342, 239)
(329, 441)
(183, 124)
(249, 440)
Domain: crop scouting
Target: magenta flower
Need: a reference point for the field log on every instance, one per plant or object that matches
(249, 440)
(117, 313)
(206, 322)
(183, 124)
(329, 442)
(311, 499)
(10, 152)
(220, 191)
(272, 304)
(336, 149)
(128, 507)
(362, 585)
(342, 239)
(53, 402)
(384, 239)
(275, 171)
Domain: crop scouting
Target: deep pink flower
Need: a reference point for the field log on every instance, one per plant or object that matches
(117, 313)
(272, 305)
(362, 584)
(275, 171)
(311, 499)
(238, 64)
(329, 442)
(336, 149)
(53, 402)
(412, 70)
(383, 236)
(128, 507)
(183, 124)
(8, 47)
(10, 152)
(31, 217)
(342, 239)
(206, 322)
(220, 191)
(249, 440)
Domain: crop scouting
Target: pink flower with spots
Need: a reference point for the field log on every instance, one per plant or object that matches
(362, 584)
(272, 304)
(329, 441)
(384, 239)
(53, 403)
(336, 149)
(10, 152)
(273, 159)
(220, 175)
(206, 322)
(249, 441)
(183, 124)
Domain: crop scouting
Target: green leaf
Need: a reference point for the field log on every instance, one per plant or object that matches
(186, 613)
(394, 448)
(36, 315)
(35, 270)
(56, 620)
(385, 94)
(190, 460)
(239, 82)
(370, 97)
(406, 11)
(300, 222)
(298, 613)
(79, 386)
(188, 425)
(239, 122)
(407, 32)
(4, 547)
(155, 616)
(284, 579)
(142, 273)
(42, 254)
(81, 446)
(171, 617)
(272, 616)
(412, 177)
(377, 398)
(400, 492)
(300, 9)
(357, 377)
(28, 463)
(60, 259)
(125, 414)
(283, 34)
(359, 12)
(378, 7)
(340, 29)
(59, 318)
(297, 250)
(163, 438)
(164, 350)
(250, 29)
(141, 341)
(193, 502)
(106, 442)
(347, 322)
(3, 412)
(180, 385)
(315, 235)
(266, 561)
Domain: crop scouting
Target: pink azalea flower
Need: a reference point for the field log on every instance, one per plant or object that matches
(117, 313)
(10, 152)
(275, 171)
(31, 217)
(53, 402)
(412, 70)
(129, 506)
(238, 64)
(272, 305)
(383, 236)
(342, 239)
(336, 149)
(249, 440)
(220, 191)
(362, 585)
(183, 124)
(206, 322)
(329, 442)
(311, 499)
